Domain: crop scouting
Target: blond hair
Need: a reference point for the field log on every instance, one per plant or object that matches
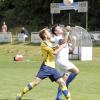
(42, 32)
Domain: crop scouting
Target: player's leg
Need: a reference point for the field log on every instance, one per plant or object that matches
(28, 87)
(61, 67)
(56, 76)
(59, 93)
(64, 89)
(39, 77)
(74, 72)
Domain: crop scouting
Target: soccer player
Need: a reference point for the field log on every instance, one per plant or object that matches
(59, 35)
(47, 68)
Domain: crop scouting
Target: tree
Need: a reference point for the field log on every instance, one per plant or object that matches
(35, 14)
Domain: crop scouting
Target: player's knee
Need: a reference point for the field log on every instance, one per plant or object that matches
(65, 77)
(77, 71)
(36, 82)
(62, 83)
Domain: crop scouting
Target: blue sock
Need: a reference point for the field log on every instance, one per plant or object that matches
(59, 94)
(70, 78)
(65, 92)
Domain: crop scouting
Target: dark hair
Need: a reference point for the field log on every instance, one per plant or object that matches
(41, 34)
(53, 29)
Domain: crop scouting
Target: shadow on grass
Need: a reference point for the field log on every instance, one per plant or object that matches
(32, 44)
(22, 99)
(26, 43)
(3, 99)
(96, 45)
(16, 43)
(27, 99)
(2, 43)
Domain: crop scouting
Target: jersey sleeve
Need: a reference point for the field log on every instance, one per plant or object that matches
(47, 48)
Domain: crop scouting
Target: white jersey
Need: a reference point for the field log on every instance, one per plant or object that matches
(63, 64)
(63, 54)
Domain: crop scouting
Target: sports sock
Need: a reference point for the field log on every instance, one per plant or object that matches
(59, 94)
(27, 88)
(65, 91)
(70, 78)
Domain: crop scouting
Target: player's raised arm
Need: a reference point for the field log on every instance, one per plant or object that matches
(65, 35)
(59, 49)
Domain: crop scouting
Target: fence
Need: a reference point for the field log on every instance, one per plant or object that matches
(5, 37)
(95, 36)
(35, 37)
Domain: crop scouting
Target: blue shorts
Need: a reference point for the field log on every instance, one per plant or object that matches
(46, 71)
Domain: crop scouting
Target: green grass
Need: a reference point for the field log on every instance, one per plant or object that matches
(15, 75)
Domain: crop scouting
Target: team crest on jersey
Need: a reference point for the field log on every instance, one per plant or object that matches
(60, 41)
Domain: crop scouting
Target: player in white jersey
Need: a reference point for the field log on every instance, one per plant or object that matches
(63, 63)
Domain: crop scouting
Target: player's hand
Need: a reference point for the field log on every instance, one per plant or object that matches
(55, 47)
(64, 45)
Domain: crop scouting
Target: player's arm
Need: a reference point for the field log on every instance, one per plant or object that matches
(65, 36)
(59, 49)
(51, 50)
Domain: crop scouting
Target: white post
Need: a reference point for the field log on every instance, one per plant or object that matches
(69, 18)
(52, 19)
(86, 20)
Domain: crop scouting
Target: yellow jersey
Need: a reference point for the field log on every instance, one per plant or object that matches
(47, 53)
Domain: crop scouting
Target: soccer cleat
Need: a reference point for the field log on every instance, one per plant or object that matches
(18, 97)
(68, 96)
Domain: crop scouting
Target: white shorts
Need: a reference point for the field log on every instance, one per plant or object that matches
(64, 65)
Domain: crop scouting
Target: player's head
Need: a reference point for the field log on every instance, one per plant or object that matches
(4, 23)
(68, 28)
(45, 34)
(23, 28)
(56, 29)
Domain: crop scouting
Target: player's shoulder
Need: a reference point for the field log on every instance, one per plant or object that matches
(45, 43)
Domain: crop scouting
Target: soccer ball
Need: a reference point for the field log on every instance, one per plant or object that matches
(18, 57)
(68, 2)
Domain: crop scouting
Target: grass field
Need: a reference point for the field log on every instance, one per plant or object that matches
(15, 75)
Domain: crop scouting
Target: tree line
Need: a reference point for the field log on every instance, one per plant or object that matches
(35, 14)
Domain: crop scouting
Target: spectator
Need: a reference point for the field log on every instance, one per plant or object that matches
(4, 27)
(23, 31)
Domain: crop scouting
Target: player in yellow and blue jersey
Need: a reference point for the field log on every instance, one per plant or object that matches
(47, 68)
